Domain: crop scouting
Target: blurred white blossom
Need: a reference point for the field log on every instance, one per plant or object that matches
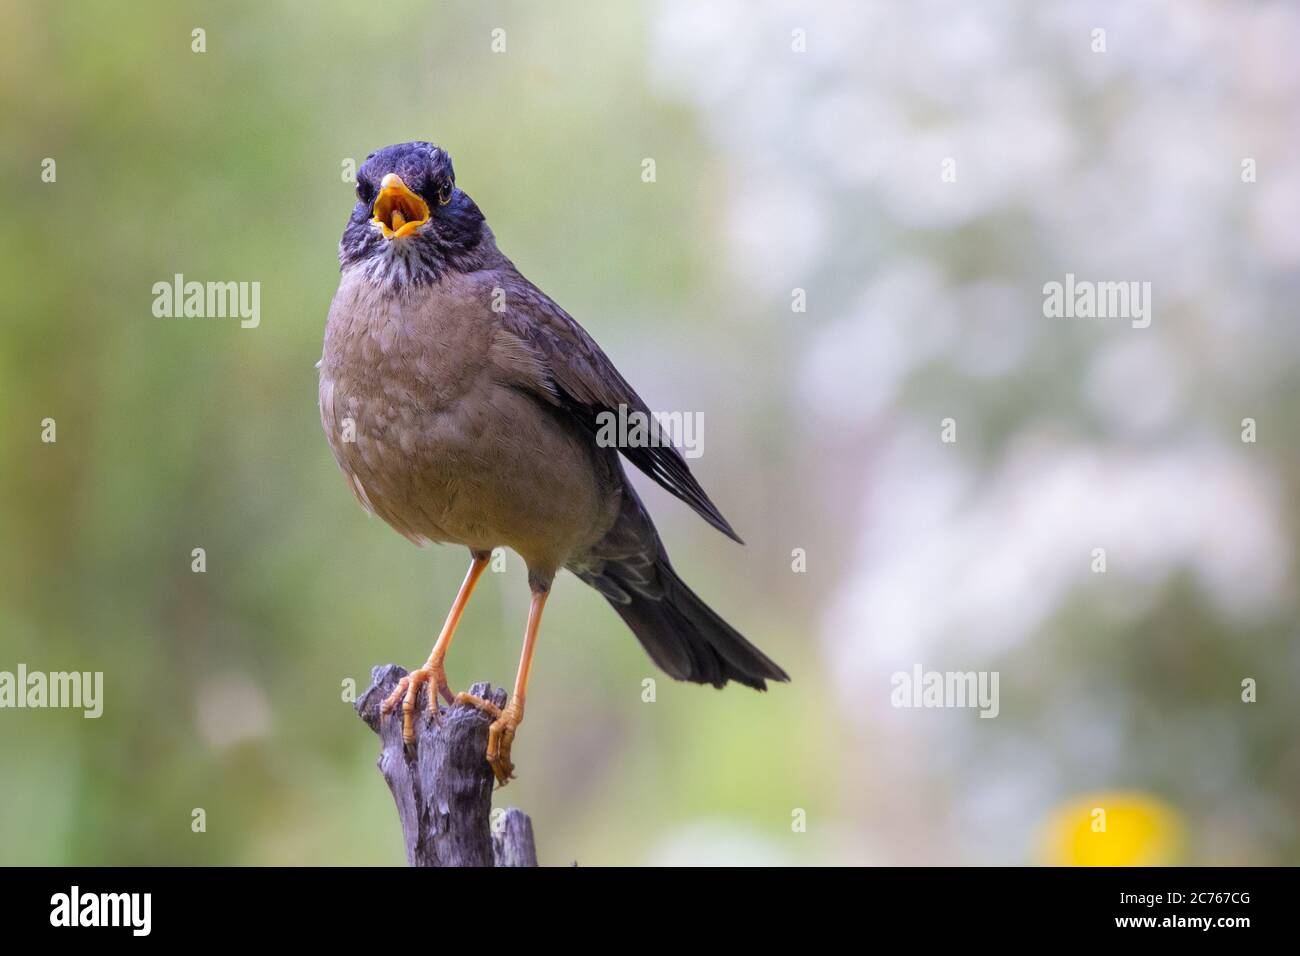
(926, 295)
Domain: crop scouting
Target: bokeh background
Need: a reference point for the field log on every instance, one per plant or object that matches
(776, 169)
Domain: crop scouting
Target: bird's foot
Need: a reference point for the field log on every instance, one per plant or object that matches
(408, 688)
(500, 735)
(483, 704)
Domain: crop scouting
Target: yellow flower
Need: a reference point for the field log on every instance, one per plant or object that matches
(1113, 829)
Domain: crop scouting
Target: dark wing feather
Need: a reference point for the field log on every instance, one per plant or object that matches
(585, 383)
(681, 633)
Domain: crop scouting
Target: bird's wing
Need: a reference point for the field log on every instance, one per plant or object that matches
(582, 380)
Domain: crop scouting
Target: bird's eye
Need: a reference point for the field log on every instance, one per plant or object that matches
(444, 193)
(365, 192)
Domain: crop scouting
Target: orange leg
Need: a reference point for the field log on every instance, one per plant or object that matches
(432, 671)
(507, 720)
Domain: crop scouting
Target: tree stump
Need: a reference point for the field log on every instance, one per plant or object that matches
(442, 785)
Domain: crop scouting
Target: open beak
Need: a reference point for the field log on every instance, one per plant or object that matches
(398, 211)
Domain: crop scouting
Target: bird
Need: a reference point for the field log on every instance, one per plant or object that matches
(463, 406)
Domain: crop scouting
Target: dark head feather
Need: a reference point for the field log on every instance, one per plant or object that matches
(454, 239)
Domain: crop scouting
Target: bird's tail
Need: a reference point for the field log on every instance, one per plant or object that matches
(681, 633)
(688, 639)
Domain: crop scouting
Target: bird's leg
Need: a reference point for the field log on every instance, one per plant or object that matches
(434, 664)
(408, 687)
(507, 720)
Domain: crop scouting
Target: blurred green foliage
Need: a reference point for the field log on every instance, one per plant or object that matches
(224, 689)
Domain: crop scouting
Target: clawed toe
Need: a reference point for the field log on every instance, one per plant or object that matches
(482, 703)
(501, 734)
(408, 689)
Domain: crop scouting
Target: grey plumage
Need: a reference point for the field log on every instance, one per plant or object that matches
(472, 400)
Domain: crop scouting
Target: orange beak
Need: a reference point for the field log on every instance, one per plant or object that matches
(398, 211)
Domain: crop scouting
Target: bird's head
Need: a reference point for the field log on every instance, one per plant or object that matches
(411, 223)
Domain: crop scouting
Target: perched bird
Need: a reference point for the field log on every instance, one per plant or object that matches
(461, 404)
